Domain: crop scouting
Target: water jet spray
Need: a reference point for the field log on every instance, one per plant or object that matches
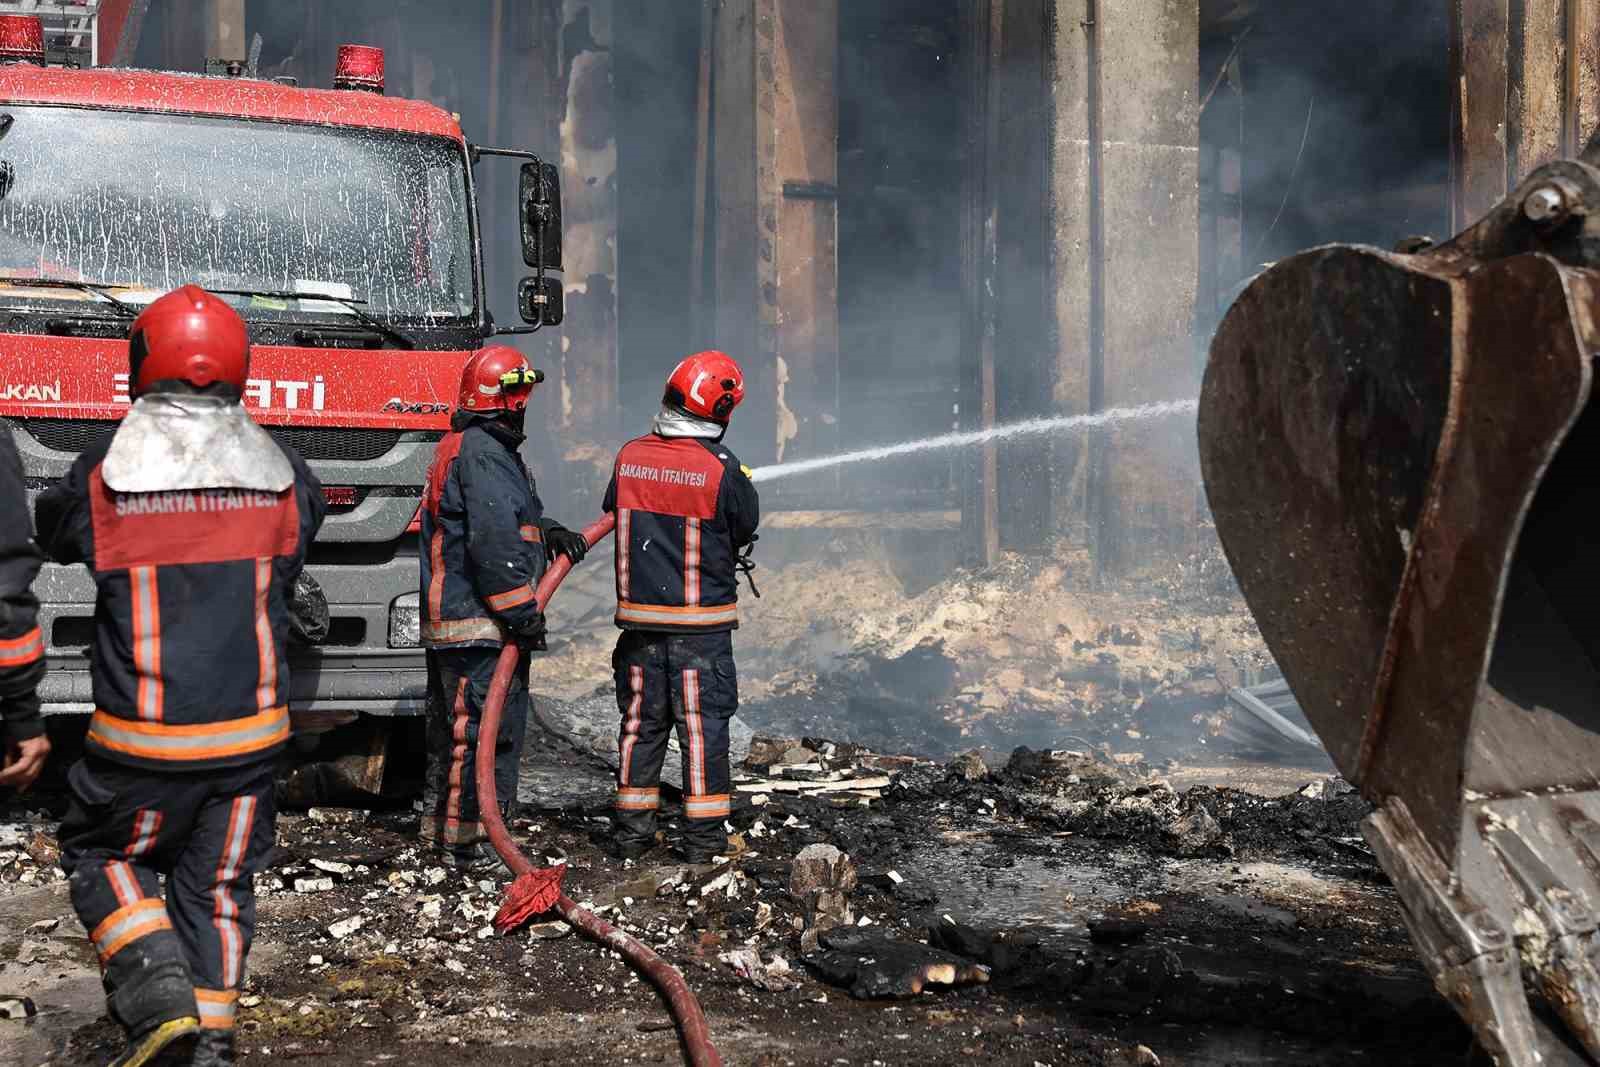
(1025, 428)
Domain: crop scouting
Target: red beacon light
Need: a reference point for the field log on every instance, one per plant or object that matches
(22, 39)
(360, 67)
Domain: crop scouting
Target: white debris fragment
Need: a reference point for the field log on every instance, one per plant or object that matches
(434, 875)
(455, 966)
(313, 885)
(345, 927)
(315, 961)
(549, 931)
(896, 877)
(332, 867)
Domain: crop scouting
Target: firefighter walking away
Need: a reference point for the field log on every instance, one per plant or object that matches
(194, 524)
(485, 544)
(686, 515)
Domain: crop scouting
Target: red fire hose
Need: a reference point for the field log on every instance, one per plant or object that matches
(538, 889)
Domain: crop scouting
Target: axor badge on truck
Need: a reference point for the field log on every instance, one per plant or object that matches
(342, 225)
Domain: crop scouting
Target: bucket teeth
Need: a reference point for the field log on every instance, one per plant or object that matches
(1555, 935)
(1513, 911)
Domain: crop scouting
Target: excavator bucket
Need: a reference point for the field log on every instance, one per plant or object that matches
(1403, 463)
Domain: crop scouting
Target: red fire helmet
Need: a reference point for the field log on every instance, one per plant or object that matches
(497, 378)
(188, 335)
(708, 385)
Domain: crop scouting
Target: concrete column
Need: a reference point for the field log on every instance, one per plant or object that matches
(588, 366)
(1527, 90)
(803, 194)
(1124, 189)
(775, 115)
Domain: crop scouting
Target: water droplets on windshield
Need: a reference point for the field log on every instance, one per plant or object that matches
(154, 201)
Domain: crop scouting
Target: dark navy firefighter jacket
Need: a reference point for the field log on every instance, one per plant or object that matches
(21, 643)
(684, 507)
(192, 613)
(482, 543)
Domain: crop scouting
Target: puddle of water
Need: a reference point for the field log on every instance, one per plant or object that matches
(1189, 1046)
(1056, 892)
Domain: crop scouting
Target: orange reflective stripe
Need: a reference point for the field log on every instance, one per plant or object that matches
(624, 539)
(225, 910)
(266, 649)
(436, 573)
(128, 924)
(646, 614)
(23, 650)
(631, 724)
(634, 799)
(217, 1007)
(124, 886)
(691, 562)
(510, 599)
(532, 534)
(195, 741)
(458, 758)
(146, 825)
(697, 740)
(147, 642)
(710, 806)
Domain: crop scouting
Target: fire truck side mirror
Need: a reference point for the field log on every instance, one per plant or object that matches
(542, 301)
(540, 210)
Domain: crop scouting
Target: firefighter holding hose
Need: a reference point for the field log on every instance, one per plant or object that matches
(686, 515)
(485, 545)
(194, 524)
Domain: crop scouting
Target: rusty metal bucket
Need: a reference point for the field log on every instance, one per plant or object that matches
(1404, 468)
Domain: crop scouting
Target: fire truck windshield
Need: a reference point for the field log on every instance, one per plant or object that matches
(141, 203)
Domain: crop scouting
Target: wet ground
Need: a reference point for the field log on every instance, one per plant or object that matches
(1244, 929)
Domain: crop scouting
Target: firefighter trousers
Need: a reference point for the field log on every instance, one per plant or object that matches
(687, 681)
(209, 833)
(458, 686)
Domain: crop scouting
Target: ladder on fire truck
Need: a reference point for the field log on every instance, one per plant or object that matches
(71, 31)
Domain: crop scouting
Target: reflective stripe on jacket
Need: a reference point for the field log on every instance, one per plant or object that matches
(684, 508)
(191, 614)
(482, 541)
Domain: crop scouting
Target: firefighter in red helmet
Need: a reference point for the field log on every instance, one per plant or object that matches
(686, 516)
(194, 524)
(485, 544)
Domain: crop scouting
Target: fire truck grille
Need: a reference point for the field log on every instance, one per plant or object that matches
(312, 442)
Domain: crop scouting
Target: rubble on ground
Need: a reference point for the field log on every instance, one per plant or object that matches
(1079, 893)
(1025, 652)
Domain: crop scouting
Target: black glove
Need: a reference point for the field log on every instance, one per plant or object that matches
(530, 635)
(560, 541)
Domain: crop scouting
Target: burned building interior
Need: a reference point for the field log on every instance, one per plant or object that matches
(1170, 643)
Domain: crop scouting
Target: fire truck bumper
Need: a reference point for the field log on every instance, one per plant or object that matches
(370, 682)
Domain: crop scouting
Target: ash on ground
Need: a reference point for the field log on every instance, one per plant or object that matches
(1057, 908)
(1024, 653)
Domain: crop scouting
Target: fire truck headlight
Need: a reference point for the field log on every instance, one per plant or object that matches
(405, 622)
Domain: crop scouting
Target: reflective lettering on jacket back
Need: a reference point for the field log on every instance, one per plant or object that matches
(669, 477)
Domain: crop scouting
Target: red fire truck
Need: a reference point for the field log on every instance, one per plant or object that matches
(342, 224)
